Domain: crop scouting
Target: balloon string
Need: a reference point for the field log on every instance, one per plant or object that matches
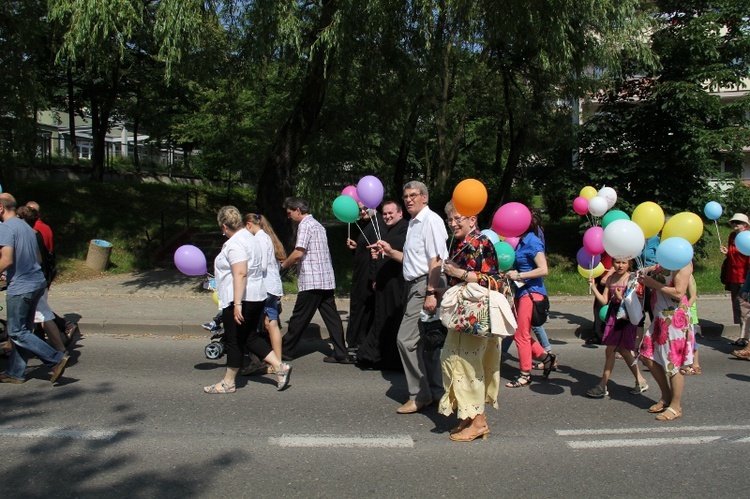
(349, 230)
(591, 271)
(374, 220)
(363, 233)
(717, 231)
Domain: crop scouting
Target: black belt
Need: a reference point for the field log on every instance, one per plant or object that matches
(414, 281)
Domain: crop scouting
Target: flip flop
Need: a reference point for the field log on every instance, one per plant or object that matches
(669, 415)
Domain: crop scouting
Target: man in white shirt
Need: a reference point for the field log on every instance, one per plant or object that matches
(424, 251)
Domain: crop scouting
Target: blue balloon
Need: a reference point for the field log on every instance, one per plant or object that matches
(675, 252)
(742, 241)
(713, 210)
(491, 235)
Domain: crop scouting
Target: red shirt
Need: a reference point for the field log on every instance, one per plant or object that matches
(739, 264)
(46, 233)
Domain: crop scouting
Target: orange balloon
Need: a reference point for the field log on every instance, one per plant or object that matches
(469, 197)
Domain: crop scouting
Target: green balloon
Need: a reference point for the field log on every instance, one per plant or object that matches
(612, 216)
(506, 255)
(346, 209)
(603, 313)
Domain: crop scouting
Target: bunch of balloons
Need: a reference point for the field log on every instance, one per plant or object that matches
(369, 192)
(510, 220)
(623, 237)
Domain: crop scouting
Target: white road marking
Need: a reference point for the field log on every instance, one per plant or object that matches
(392, 441)
(58, 433)
(662, 429)
(640, 442)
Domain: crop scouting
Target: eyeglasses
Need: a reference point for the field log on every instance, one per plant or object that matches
(455, 220)
(411, 196)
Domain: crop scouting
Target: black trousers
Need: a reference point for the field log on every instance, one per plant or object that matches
(237, 337)
(307, 303)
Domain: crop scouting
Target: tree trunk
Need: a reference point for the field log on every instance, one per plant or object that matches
(102, 100)
(275, 183)
(402, 160)
(136, 156)
(72, 118)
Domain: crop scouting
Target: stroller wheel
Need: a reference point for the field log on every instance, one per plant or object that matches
(214, 350)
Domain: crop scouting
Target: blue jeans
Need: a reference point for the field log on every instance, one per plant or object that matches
(20, 312)
(541, 336)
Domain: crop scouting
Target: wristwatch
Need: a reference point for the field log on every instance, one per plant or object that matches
(430, 293)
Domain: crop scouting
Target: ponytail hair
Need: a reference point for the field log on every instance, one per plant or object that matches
(265, 226)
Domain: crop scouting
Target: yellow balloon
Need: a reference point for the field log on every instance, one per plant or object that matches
(596, 272)
(686, 225)
(649, 217)
(215, 298)
(588, 192)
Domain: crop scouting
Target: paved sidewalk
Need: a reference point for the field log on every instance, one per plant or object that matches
(166, 302)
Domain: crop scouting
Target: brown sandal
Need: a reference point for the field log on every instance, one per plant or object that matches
(742, 354)
(669, 414)
(658, 407)
(690, 370)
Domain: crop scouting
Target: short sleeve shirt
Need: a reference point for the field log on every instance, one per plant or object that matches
(315, 267)
(271, 276)
(25, 273)
(526, 251)
(242, 246)
(425, 240)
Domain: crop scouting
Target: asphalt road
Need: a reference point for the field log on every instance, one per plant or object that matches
(129, 419)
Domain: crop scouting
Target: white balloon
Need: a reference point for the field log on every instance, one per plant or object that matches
(609, 194)
(623, 240)
(598, 206)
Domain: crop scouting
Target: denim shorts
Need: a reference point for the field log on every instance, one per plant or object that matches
(272, 308)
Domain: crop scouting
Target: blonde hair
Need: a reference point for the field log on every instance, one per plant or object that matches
(230, 216)
(265, 226)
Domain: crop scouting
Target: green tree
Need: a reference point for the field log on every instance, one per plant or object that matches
(660, 135)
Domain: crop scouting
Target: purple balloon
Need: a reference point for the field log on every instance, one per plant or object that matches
(584, 259)
(370, 191)
(190, 260)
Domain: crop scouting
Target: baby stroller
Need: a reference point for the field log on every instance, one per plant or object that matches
(217, 347)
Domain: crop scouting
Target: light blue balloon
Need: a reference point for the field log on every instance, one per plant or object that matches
(742, 241)
(491, 235)
(713, 210)
(676, 252)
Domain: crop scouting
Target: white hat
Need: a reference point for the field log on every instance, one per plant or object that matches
(740, 217)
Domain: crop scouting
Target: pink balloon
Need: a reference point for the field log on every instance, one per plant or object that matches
(593, 240)
(350, 191)
(513, 241)
(511, 219)
(581, 205)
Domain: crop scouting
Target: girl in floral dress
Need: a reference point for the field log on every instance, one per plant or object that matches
(668, 343)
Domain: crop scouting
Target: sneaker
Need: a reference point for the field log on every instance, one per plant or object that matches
(639, 388)
(59, 368)
(209, 326)
(597, 392)
(4, 378)
(256, 368)
(284, 373)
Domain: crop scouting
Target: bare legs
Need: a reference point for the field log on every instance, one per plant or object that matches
(671, 390)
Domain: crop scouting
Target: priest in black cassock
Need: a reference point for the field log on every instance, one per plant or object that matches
(379, 350)
(362, 296)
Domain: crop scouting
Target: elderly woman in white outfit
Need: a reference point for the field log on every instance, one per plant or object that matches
(239, 281)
